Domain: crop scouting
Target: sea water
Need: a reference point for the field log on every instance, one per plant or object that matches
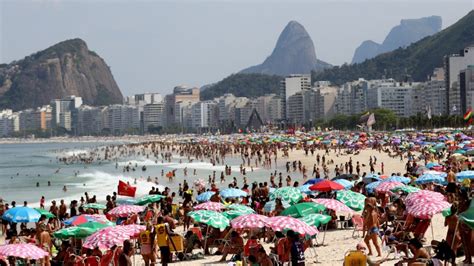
(23, 165)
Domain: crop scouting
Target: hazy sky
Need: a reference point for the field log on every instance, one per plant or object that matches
(154, 45)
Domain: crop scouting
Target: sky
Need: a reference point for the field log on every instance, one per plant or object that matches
(152, 46)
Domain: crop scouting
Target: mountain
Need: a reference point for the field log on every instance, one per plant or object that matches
(67, 68)
(417, 60)
(243, 85)
(293, 54)
(409, 31)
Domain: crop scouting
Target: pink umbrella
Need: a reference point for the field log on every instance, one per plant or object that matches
(427, 209)
(24, 251)
(334, 205)
(387, 186)
(249, 221)
(210, 206)
(114, 235)
(279, 223)
(423, 196)
(126, 210)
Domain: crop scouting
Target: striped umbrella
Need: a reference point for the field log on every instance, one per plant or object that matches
(147, 199)
(95, 206)
(423, 196)
(351, 199)
(280, 223)
(249, 221)
(211, 218)
(387, 186)
(334, 205)
(125, 210)
(236, 210)
(24, 251)
(430, 178)
(303, 209)
(233, 193)
(315, 219)
(44, 212)
(288, 194)
(210, 206)
(111, 236)
(406, 189)
(427, 209)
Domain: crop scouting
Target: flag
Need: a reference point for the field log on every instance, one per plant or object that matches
(468, 116)
(371, 120)
(125, 189)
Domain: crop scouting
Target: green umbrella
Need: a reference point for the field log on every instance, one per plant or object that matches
(446, 212)
(94, 206)
(406, 189)
(149, 199)
(96, 225)
(351, 199)
(45, 213)
(289, 194)
(467, 217)
(75, 231)
(303, 209)
(316, 219)
(234, 213)
(211, 218)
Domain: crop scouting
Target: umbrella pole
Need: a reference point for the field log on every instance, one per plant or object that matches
(454, 236)
(205, 241)
(324, 234)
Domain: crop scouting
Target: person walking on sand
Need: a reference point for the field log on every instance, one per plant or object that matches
(372, 224)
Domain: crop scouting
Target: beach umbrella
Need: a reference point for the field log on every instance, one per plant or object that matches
(387, 186)
(112, 236)
(427, 209)
(430, 178)
(316, 219)
(302, 209)
(126, 210)
(280, 223)
(326, 185)
(313, 181)
(371, 187)
(75, 232)
(236, 210)
(233, 193)
(96, 206)
(345, 183)
(210, 206)
(419, 197)
(465, 175)
(467, 217)
(431, 165)
(334, 205)
(305, 188)
(147, 199)
(270, 205)
(395, 178)
(205, 196)
(96, 225)
(84, 218)
(406, 189)
(24, 251)
(288, 194)
(343, 176)
(125, 201)
(21, 215)
(249, 221)
(351, 199)
(211, 218)
(44, 212)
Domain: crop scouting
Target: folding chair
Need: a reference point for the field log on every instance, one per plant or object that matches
(358, 222)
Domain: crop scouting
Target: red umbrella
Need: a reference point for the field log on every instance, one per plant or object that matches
(326, 185)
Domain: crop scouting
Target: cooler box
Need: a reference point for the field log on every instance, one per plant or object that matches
(355, 258)
(178, 243)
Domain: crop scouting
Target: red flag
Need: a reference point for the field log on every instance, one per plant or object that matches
(125, 189)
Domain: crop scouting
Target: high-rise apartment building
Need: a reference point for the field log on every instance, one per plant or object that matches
(454, 64)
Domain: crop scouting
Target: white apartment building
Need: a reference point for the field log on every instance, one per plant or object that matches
(153, 115)
(89, 120)
(326, 102)
(205, 115)
(466, 82)
(64, 112)
(269, 108)
(399, 97)
(454, 64)
(291, 85)
(9, 123)
(122, 119)
(432, 94)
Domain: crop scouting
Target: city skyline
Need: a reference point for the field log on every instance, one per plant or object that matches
(199, 42)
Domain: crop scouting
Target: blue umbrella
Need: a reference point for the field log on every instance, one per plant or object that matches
(345, 183)
(233, 193)
(401, 179)
(430, 178)
(431, 165)
(270, 205)
(126, 201)
(371, 178)
(371, 187)
(206, 196)
(305, 189)
(313, 181)
(465, 175)
(21, 215)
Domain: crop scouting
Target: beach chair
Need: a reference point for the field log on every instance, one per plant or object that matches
(197, 231)
(358, 222)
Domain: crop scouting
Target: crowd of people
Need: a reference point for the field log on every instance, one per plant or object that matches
(385, 219)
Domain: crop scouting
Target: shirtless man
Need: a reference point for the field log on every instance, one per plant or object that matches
(372, 224)
(45, 243)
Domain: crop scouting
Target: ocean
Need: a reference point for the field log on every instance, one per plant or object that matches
(23, 165)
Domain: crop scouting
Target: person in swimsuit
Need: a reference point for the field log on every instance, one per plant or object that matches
(371, 219)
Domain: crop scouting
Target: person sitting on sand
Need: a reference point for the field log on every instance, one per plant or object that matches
(419, 252)
(235, 246)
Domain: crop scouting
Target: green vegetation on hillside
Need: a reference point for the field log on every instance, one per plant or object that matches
(243, 85)
(418, 60)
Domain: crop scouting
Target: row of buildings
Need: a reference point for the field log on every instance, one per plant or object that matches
(449, 90)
